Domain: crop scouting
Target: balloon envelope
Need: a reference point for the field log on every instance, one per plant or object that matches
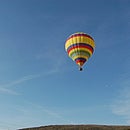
(80, 47)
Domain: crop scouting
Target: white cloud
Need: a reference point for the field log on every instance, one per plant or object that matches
(56, 65)
(21, 80)
(121, 105)
(31, 114)
(7, 88)
(8, 91)
(54, 57)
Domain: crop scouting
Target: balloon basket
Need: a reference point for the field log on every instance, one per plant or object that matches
(80, 69)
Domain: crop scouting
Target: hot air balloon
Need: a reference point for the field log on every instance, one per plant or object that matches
(80, 47)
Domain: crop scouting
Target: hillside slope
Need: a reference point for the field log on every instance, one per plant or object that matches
(79, 127)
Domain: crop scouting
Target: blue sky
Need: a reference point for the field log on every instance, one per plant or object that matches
(41, 85)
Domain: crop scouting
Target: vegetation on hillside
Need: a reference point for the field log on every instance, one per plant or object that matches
(79, 127)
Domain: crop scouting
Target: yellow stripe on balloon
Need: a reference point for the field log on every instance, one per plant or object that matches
(76, 39)
(79, 39)
(80, 49)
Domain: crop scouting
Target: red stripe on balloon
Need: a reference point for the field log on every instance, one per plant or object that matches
(80, 61)
(81, 46)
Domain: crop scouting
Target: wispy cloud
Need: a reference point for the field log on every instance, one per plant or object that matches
(121, 105)
(43, 109)
(53, 56)
(21, 80)
(7, 88)
(34, 114)
(56, 66)
(8, 91)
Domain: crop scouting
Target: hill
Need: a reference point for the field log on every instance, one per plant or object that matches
(79, 127)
